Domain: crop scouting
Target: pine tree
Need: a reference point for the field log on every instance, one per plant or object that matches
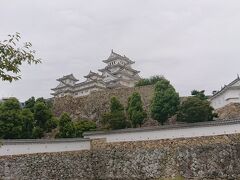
(165, 101)
(66, 127)
(116, 118)
(135, 111)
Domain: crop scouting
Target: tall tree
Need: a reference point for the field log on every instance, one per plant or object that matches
(10, 119)
(165, 101)
(13, 56)
(135, 111)
(28, 123)
(115, 105)
(42, 114)
(29, 104)
(116, 118)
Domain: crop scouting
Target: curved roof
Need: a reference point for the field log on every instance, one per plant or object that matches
(226, 87)
(114, 56)
(90, 74)
(70, 76)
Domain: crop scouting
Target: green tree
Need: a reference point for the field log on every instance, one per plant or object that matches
(165, 101)
(149, 81)
(195, 109)
(200, 94)
(83, 126)
(16, 122)
(38, 132)
(135, 111)
(10, 119)
(52, 124)
(66, 127)
(13, 56)
(28, 124)
(115, 105)
(42, 114)
(116, 118)
(29, 104)
(41, 99)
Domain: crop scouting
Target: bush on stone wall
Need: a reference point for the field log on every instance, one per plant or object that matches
(82, 126)
(149, 81)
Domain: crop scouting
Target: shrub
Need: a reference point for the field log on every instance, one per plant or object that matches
(149, 81)
(38, 132)
(83, 126)
(195, 109)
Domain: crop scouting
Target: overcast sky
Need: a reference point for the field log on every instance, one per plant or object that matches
(194, 44)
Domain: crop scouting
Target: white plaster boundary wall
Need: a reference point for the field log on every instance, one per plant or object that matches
(170, 132)
(17, 147)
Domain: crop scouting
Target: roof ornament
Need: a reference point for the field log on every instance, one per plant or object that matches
(238, 76)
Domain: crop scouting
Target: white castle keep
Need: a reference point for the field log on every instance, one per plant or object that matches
(118, 73)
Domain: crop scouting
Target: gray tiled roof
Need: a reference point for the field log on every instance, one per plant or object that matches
(226, 87)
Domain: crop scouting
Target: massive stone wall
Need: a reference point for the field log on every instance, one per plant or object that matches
(97, 103)
(230, 111)
(214, 157)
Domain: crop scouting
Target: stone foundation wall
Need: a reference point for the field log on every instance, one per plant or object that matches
(215, 157)
(230, 111)
(46, 166)
(97, 103)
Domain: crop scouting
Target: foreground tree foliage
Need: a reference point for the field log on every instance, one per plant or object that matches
(13, 56)
(135, 111)
(149, 81)
(194, 109)
(165, 101)
(11, 120)
(42, 115)
(116, 118)
(28, 122)
(36, 119)
(29, 104)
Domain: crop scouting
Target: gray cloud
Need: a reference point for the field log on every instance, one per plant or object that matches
(195, 44)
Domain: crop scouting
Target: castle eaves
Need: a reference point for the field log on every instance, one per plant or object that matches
(225, 88)
(70, 76)
(114, 56)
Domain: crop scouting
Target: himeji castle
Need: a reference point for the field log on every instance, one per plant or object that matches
(116, 74)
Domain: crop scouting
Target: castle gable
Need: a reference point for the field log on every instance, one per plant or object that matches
(228, 94)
